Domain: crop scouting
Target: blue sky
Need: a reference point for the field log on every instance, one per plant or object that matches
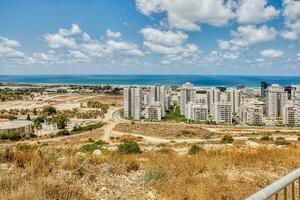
(252, 37)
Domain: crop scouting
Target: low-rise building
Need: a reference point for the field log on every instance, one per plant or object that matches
(289, 114)
(154, 112)
(16, 126)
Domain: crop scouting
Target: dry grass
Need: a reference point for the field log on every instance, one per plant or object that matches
(44, 172)
(165, 130)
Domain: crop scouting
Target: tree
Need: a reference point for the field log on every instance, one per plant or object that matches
(61, 121)
(49, 110)
(28, 117)
(37, 122)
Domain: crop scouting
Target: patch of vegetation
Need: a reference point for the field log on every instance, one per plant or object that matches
(129, 147)
(63, 132)
(281, 141)
(90, 148)
(173, 114)
(194, 149)
(90, 127)
(49, 110)
(164, 150)
(266, 138)
(227, 139)
(155, 175)
(15, 136)
(185, 133)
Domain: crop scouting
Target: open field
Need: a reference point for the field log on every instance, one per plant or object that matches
(61, 172)
(164, 130)
(61, 102)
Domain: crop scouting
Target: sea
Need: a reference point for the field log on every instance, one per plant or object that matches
(167, 80)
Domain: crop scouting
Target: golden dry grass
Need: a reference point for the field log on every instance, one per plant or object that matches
(44, 172)
(164, 130)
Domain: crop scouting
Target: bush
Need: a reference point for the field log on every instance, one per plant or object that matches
(281, 141)
(11, 136)
(227, 139)
(87, 128)
(164, 150)
(129, 147)
(63, 132)
(90, 148)
(266, 138)
(155, 175)
(299, 138)
(194, 149)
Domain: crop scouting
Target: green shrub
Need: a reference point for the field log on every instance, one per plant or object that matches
(194, 149)
(281, 141)
(164, 150)
(90, 127)
(11, 136)
(90, 148)
(266, 138)
(155, 175)
(63, 132)
(129, 147)
(227, 139)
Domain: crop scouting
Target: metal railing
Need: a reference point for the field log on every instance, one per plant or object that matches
(285, 187)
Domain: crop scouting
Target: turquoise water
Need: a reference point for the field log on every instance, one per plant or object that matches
(174, 80)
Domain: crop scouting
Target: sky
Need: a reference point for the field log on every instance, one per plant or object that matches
(226, 37)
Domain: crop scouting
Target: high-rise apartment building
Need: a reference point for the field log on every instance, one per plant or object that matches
(187, 94)
(222, 112)
(251, 112)
(132, 102)
(276, 100)
(154, 111)
(234, 97)
(213, 97)
(158, 94)
(197, 112)
(289, 114)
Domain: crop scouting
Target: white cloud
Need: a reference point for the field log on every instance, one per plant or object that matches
(248, 35)
(9, 49)
(271, 53)
(169, 43)
(255, 11)
(112, 34)
(59, 41)
(73, 31)
(291, 13)
(122, 47)
(188, 15)
(168, 38)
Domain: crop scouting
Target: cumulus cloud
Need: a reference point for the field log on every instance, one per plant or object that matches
(112, 34)
(168, 38)
(83, 46)
(188, 15)
(9, 49)
(56, 41)
(291, 13)
(255, 11)
(75, 29)
(248, 35)
(171, 44)
(271, 53)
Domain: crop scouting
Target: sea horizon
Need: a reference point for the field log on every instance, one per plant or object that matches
(150, 79)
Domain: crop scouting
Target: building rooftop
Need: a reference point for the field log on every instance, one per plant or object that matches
(14, 124)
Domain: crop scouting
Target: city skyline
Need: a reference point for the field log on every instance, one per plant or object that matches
(150, 37)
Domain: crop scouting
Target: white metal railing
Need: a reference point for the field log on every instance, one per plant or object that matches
(286, 185)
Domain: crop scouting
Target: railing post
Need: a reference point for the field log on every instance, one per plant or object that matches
(276, 196)
(285, 193)
(293, 191)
